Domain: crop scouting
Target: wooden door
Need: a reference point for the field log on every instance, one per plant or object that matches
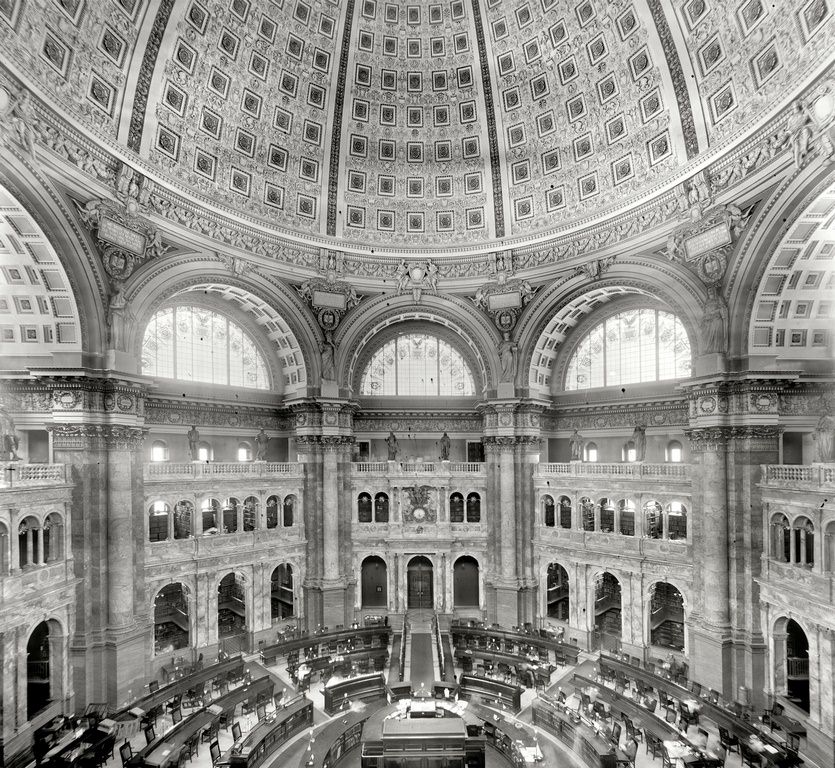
(419, 583)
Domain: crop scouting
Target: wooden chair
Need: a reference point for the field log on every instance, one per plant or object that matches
(193, 745)
(627, 757)
(214, 752)
(616, 730)
(209, 733)
(125, 752)
(749, 757)
(666, 760)
(149, 735)
(655, 746)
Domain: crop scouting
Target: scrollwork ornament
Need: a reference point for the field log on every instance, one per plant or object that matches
(707, 439)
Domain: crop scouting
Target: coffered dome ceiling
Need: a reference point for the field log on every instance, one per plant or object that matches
(422, 124)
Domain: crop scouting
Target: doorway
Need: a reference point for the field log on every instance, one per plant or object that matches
(419, 583)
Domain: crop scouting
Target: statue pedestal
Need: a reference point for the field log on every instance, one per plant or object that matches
(329, 388)
(712, 362)
(116, 360)
(505, 389)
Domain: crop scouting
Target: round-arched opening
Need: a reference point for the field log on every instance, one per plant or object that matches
(565, 512)
(29, 541)
(607, 611)
(5, 550)
(674, 452)
(159, 451)
(473, 508)
(666, 616)
(159, 514)
(282, 593)
(803, 532)
(381, 508)
(653, 520)
(456, 508)
(590, 452)
(289, 511)
(558, 597)
(549, 516)
(39, 670)
(373, 582)
(183, 519)
(781, 540)
(272, 512)
(587, 513)
(250, 513)
(465, 589)
(231, 606)
(828, 550)
(244, 451)
(626, 510)
(419, 583)
(53, 537)
(210, 515)
(676, 520)
(171, 620)
(230, 515)
(797, 665)
(607, 515)
(364, 508)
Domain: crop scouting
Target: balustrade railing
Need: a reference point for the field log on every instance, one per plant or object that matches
(797, 667)
(815, 475)
(627, 469)
(219, 469)
(418, 467)
(17, 473)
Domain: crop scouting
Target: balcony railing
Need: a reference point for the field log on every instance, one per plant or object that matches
(418, 468)
(165, 470)
(799, 475)
(638, 469)
(797, 667)
(16, 473)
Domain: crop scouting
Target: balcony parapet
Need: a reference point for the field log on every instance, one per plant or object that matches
(17, 474)
(625, 470)
(798, 476)
(226, 470)
(613, 543)
(406, 468)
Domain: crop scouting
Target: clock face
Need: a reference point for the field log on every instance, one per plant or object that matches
(419, 513)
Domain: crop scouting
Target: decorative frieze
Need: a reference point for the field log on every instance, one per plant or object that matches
(77, 437)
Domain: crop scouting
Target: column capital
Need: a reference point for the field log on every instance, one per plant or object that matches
(494, 444)
(325, 442)
(79, 437)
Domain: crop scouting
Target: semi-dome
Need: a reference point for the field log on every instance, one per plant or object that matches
(463, 124)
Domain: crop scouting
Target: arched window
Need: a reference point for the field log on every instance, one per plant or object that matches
(289, 511)
(590, 451)
(158, 521)
(364, 510)
(632, 346)
(627, 517)
(196, 344)
(675, 453)
(607, 515)
(587, 513)
(210, 515)
(653, 520)
(204, 451)
(159, 451)
(781, 538)
(565, 512)
(473, 508)
(381, 508)
(250, 513)
(244, 452)
(676, 520)
(183, 513)
(456, 508)
(272, 512)
(417, 364)
(629, 453)
(53, 537)
(804, 541)
(548, 515)
(230, 515)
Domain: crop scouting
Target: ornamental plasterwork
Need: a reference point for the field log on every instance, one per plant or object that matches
(201, 414)
(504, 301)
(768, 144)
(329, 298)
(419, 504)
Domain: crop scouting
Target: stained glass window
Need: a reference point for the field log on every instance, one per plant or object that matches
(630, 347)
(419, 365)
(196, 344)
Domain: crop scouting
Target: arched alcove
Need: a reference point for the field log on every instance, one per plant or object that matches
(374, 582)
(558, 597)
(171, 619)
(666, 616)
(607, 610)
(231, 606)
(282, 593)
(420, 587)
(465, 582)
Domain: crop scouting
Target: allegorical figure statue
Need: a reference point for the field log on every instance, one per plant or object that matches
(576, 446)
(823, 436)
(328, 351)
(714, 323)
(193, 441)
(262, 440)
(116, 316)
(391, 442)
(445, 443)
(639, 437)
(9, 440)
(507, 357)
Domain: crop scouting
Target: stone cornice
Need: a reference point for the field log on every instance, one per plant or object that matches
(84, 436)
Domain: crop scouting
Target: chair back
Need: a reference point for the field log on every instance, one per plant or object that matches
(670, 717)
(616, 729)
(149, 734)
(176, 715)
(125, 752)
(631, 749)
(153, 686)
(214, 751)
(236, 731)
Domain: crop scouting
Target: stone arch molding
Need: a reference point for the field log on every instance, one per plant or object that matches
(471, 333)
(266, 303)
(555, 317)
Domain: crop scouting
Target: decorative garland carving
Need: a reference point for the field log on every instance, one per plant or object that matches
(83, 436)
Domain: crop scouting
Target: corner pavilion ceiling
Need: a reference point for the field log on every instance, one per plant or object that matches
(440, 124)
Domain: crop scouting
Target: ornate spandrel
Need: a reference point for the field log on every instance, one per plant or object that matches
(419, 504)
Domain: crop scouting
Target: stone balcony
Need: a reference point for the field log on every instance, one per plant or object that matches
(440, 531)
(641, 547)
(799, 477)
(20, 584)
(637, 470)
(221, 470)
(16, 474)
(425, 469)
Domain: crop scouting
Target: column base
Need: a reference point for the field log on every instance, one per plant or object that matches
(125, 653)
(504, 607)
(328, 604)
(711, 660)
